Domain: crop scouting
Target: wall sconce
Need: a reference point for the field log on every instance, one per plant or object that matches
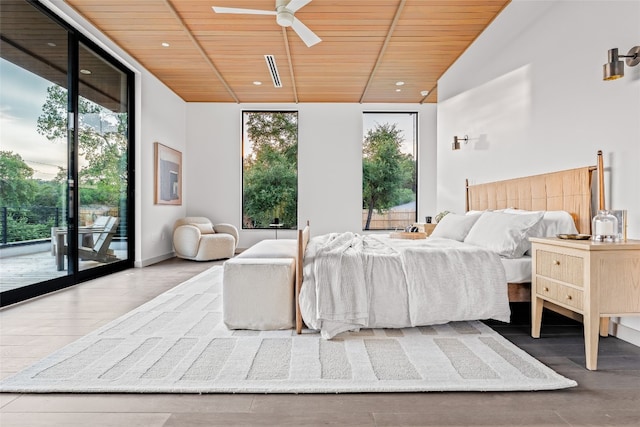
(614, 69)
(456, 142)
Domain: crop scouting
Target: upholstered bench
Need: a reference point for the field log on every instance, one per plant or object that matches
(258, 286)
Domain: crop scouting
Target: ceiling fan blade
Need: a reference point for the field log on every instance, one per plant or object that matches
(294, 5)
(217, 9)
(308, 37)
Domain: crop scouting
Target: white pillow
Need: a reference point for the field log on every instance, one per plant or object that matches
(204, 228)
(553, 222)
(454, 226)
(504, 233)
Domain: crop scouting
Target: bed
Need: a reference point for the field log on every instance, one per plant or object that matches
(411, 304)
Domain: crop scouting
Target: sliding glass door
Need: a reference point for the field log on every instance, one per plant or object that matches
(102, 170)
(65, 160)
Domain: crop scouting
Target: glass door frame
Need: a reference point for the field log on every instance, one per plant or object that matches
(75, 275)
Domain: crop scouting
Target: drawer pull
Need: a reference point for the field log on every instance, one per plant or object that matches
(545, 289)
(569, 297)
(556, 262)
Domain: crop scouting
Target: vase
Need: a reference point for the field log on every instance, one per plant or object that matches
(605, 227)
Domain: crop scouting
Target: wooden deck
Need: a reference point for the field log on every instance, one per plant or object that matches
(26, 269)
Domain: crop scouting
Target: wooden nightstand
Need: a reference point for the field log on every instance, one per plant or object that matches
(585, 280)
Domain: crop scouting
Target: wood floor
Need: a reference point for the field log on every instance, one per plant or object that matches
(31, 330)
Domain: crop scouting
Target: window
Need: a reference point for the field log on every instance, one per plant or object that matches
(389, 170)
(270, 170)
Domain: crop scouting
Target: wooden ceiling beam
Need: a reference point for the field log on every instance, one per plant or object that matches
(396, 18)
(202, 51)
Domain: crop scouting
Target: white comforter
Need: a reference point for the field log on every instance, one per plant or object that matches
(353, 281)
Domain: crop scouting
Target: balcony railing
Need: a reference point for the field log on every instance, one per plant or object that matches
(34, 223)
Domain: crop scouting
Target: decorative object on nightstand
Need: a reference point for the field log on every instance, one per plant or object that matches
(426, 228)
(605, 227)
(621, 214)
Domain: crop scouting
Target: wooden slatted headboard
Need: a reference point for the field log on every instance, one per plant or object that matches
(568, 190)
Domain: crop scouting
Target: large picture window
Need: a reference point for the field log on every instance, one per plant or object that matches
(389, 170)
(270, 170)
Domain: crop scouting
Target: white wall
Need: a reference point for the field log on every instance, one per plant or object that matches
(159, 116)
(530, 95)
(329, 163)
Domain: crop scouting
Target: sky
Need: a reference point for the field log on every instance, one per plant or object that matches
(22, 95)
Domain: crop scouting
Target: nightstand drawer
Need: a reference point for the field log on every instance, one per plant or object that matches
(565, 268)
(559, 293)
(570, 296)
(546, 288)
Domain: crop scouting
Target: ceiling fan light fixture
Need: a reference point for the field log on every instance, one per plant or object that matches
(284, 18)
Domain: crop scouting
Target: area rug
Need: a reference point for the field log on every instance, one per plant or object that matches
(177, 343)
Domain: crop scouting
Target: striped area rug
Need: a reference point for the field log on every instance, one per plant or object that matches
(177, 343)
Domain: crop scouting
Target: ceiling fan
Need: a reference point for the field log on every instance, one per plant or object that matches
(284, 17)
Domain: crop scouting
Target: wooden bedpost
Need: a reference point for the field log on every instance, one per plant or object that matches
(303, 238)
(298, 284)
(466, 199)
(600, 172)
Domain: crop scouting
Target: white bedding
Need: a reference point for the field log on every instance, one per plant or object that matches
(353, 281)
(517, 270)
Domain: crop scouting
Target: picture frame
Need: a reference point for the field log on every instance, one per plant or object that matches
(621, 215)
(168, 175)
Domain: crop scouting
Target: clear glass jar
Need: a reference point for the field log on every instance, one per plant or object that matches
(604, 227)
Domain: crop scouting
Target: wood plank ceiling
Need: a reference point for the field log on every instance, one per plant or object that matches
(366, 47)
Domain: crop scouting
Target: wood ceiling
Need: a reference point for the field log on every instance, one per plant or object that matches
(366, 46)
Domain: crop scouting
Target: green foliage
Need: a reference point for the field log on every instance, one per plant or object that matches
(270, 178)
(16, 184)
(21, 227)
(388, 175)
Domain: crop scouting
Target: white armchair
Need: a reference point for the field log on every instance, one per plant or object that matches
(196, 238)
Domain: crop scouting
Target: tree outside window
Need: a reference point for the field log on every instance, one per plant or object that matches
(270, 169)
(389, 171)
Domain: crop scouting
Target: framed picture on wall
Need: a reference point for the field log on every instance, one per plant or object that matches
(168, 175)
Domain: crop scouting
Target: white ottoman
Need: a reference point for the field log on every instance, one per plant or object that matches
(258, 293)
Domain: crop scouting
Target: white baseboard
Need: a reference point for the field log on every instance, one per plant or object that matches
(150, 261)
(625, 333)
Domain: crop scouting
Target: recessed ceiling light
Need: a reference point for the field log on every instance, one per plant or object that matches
(400, 83)
(165, 44)
(424, 93)
(257, 83)
(398, 90)
(83, 71)
(52, 44)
